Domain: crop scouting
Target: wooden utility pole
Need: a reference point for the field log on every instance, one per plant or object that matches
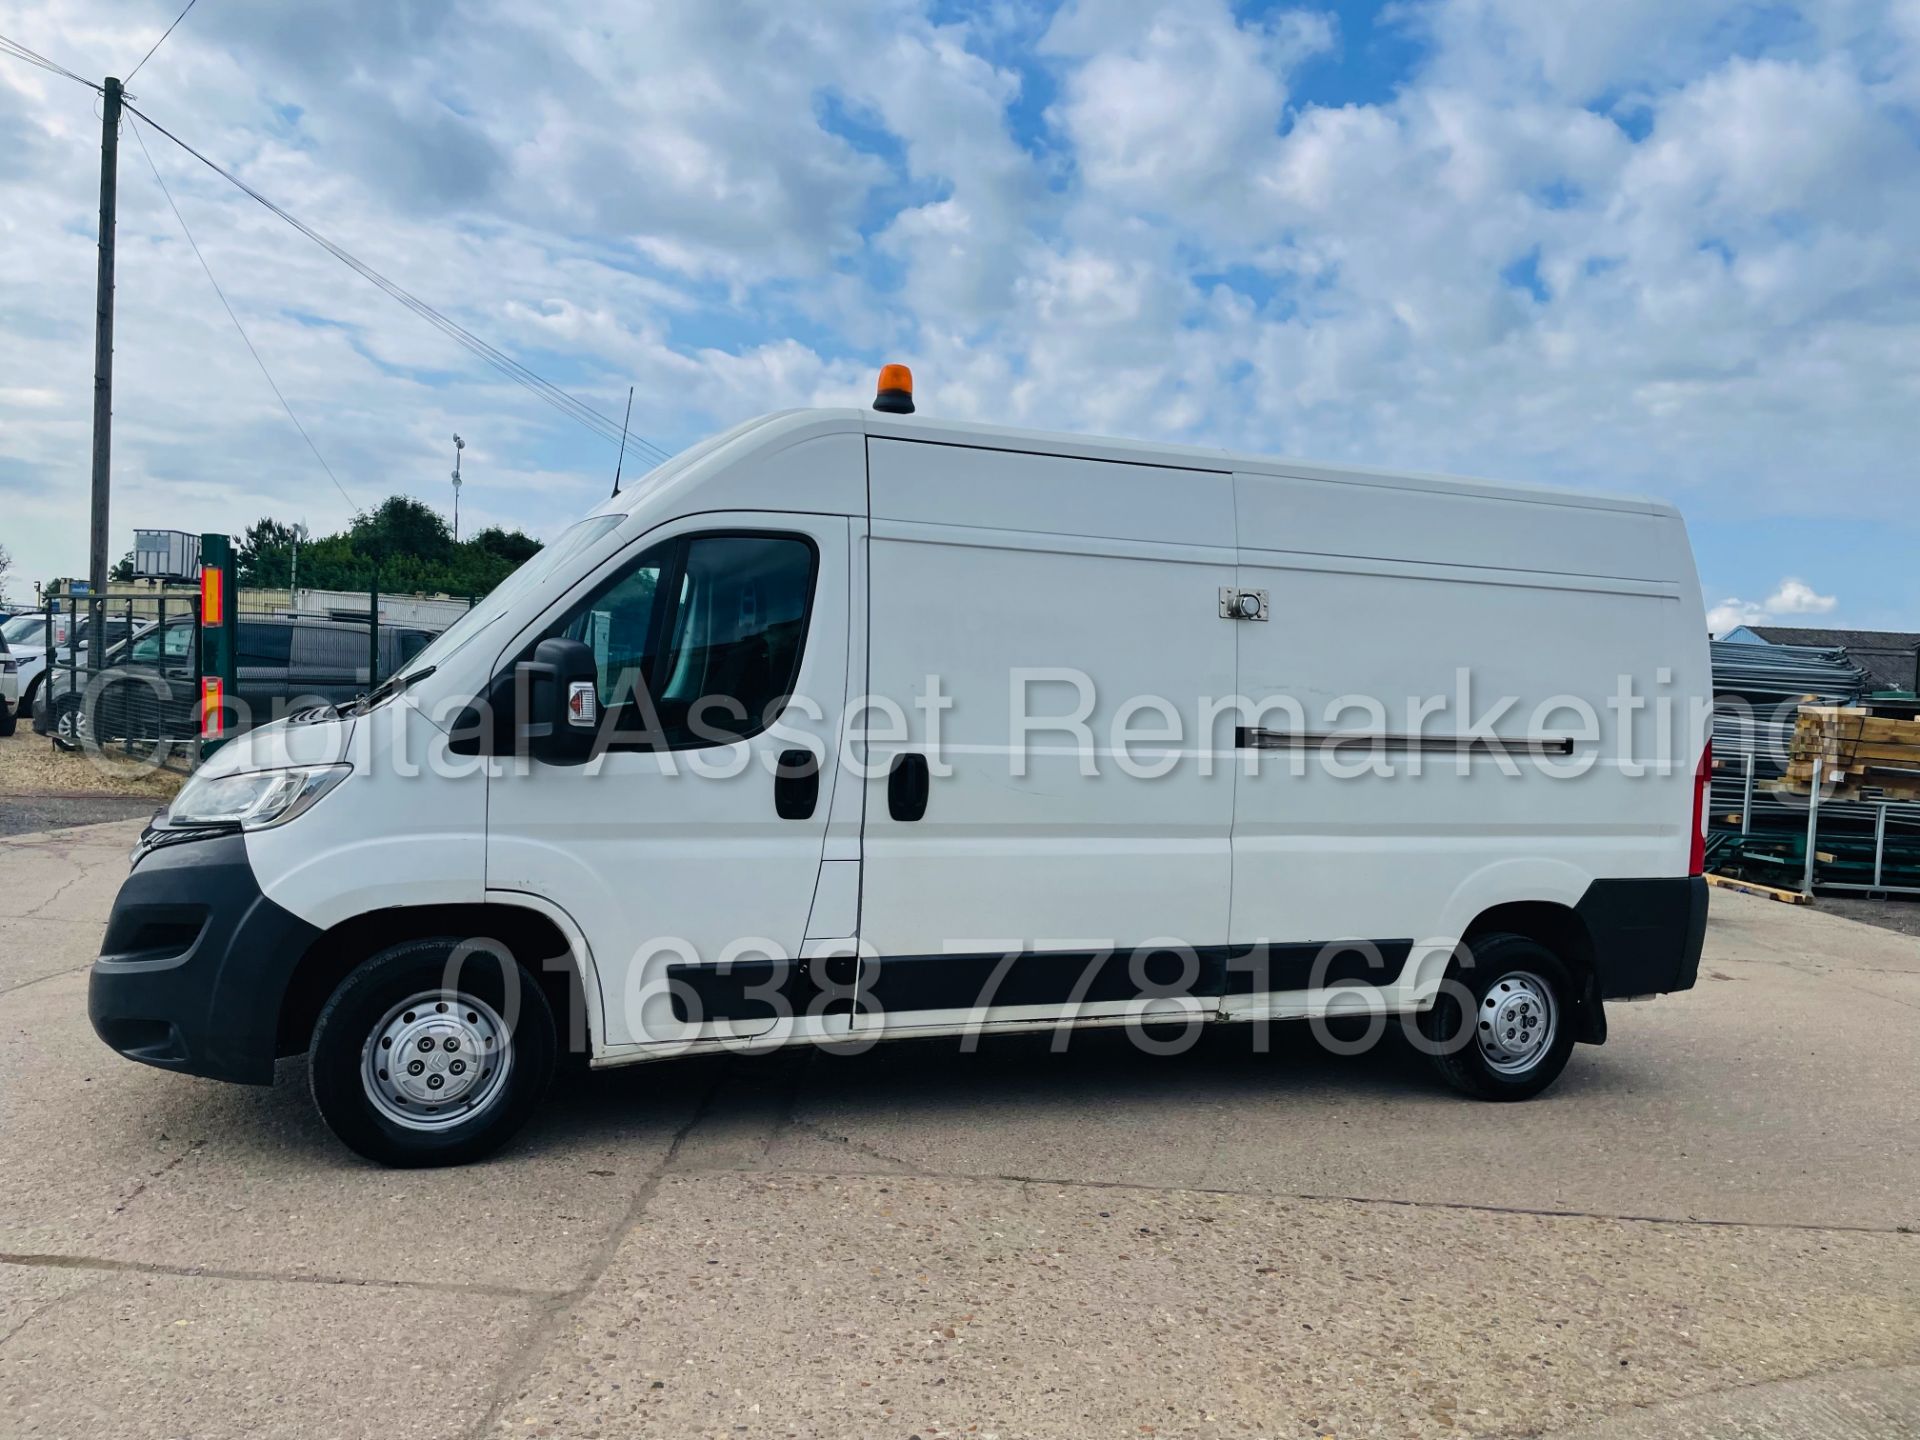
(103, 349)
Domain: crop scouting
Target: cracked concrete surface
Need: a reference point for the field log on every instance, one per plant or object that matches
(1705, 1230)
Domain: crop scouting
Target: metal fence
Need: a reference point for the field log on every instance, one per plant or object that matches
(135, 693)
(1796, 841)
(140, 694)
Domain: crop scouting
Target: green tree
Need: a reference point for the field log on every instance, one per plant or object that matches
(263, 555)
(402, 545)
(401, 527)
(123, 569)
(513, 546)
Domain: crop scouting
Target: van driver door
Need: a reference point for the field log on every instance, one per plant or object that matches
(688, 852)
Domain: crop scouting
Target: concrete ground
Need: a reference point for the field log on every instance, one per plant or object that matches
(1889, 912)
(29, 814)
(1705, 1230)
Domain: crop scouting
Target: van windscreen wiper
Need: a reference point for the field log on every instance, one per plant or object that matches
(387, 689)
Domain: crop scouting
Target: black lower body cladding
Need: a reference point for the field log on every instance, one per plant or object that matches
(1647, 934)
(195, 963)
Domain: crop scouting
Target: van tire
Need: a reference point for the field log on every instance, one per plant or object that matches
(1509, 979)
(367, 1007)
(9, 720)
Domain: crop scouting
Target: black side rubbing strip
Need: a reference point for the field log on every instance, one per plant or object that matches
(899, 983)
(748, 989)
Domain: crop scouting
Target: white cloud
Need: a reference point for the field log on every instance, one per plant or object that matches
(1168, 102)
(1573, 52)
(1790, 598)
(1637, 246)
(1796, 597)
(1732, 613)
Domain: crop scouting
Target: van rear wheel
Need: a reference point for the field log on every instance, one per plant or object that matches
(432, 1053)
(1520, 1030)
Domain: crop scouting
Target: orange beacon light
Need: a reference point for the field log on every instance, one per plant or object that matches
(895, 393)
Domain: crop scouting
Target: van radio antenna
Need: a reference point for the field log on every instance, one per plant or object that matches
(623, 441)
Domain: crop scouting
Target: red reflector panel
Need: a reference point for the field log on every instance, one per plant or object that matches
(1702, 777)
(213, 714)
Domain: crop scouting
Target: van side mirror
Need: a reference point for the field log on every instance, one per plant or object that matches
(560, 688)
(546, 707)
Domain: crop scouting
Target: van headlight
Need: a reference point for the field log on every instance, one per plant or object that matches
(255, 799)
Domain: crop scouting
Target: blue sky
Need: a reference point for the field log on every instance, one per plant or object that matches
(1635, 246)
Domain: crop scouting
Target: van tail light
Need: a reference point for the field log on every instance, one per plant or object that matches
(1702, 779)
(213, 712)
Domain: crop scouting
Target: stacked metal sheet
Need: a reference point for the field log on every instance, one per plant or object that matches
(1758, 690)
(1771, 673)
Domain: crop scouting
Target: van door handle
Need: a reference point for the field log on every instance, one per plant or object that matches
(796, 785)
(907, 787)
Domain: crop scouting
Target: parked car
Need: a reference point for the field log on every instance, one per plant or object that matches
(9, 689)
(689, 825)
(281, 666)
(26, 637)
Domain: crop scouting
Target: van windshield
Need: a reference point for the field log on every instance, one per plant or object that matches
(529, 577)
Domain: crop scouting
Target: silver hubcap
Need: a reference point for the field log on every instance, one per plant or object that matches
(436, 1060)
(1517, 1022)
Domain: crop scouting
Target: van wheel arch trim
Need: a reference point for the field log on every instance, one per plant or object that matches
(349, 943)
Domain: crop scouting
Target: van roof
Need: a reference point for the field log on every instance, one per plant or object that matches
(780, 428)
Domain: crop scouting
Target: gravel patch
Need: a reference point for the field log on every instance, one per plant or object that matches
(43, 788)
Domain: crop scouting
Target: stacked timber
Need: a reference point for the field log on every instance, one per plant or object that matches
(1863, 756)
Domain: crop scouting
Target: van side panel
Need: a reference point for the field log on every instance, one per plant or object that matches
(1058, 588)
(1429, 615)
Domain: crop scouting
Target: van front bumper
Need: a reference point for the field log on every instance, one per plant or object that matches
(195, 963)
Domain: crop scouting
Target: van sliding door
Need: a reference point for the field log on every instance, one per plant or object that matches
(1027, 611)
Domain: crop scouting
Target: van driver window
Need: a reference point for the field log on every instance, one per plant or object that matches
(718, 658)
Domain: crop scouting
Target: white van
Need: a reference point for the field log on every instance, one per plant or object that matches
(849, 725)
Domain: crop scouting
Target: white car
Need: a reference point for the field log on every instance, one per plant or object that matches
(26, 637)
(9, 690)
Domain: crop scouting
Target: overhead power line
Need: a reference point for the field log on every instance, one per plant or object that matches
(571, 406)
(157, 44)
(236, 322)
(33, 57)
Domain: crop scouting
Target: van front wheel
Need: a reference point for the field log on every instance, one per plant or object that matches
(432, 1053)
(1520, 1032)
